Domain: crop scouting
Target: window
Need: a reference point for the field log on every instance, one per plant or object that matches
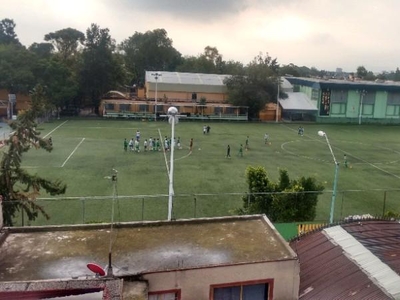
(338, 101)
(229, 110)
(243, 291)
(124, 107)
(393, 104)
(143, 107)
(338, 108)
(109, 106)
(314, 94)
(393, 110)
(217, 110)
(368, 103)
(165, 295)
(194, 97)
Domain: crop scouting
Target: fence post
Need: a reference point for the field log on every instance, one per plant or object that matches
(22, 219)
(195, 206)
(384, 204)
(83, 210)
(341, 207)
(142, 209)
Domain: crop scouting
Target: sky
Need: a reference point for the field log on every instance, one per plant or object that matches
(325, 34)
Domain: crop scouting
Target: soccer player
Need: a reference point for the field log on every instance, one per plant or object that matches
(345, 161)
(191, 145)
(241, 151)
(204, 129)
(247, 143)
(125, 145)
(131, 144)
(179, 143)
(228, 152)
(145, 145)
(266, 137)
(137, 146)
(138, 135)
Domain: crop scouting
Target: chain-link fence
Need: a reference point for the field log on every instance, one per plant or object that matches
(86, 210)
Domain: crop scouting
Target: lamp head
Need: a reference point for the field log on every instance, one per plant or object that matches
(321, 133)
(172, 111)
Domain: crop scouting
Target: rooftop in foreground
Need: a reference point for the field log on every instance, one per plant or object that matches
(39, 253)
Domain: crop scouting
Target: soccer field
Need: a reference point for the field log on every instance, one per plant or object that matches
(206, 183)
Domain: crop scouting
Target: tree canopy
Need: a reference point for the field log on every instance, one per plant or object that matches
(66, 41)
(288, 200)
(257, 87)
(149, 51)
(18, 187)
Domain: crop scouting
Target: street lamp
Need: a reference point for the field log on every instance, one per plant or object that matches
(156, 76)
(277, 100)
(172, 119)
(323, 134)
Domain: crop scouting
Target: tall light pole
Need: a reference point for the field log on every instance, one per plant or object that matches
(323, 134)
(156, 76)
(362, 94)
(173, 119)
(277, 99)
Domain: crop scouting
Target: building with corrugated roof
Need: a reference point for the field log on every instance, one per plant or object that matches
(351, 101)
(357, 260)
(238, 257)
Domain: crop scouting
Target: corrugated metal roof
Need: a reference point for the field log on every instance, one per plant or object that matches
(316, 83)
(384, 276)
(186, 78)
(327, 271)
(186, 82)
(297, 101)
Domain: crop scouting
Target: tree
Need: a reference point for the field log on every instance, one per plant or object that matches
(7, 32)
(361, 72)
(16, 65)
(61, 85)
(66, 41)
(18, 187)
(285, 201)
(149, 51)
(260, 192)
(42, 50)
(100, 70)
(257, 88)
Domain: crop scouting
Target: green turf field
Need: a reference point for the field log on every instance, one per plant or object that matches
(205, 182)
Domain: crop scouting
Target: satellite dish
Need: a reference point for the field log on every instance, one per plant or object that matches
(95, 268)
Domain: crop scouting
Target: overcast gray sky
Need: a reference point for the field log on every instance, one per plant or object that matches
(325, 34)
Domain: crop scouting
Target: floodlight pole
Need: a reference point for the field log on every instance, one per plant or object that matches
(335, 179)
(277, 99)
(171, 170)
(156, 76)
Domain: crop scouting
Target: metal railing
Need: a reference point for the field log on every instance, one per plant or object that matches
(97, 209)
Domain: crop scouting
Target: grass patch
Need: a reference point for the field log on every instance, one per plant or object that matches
(205, 182)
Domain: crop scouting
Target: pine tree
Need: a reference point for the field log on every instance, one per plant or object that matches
(19, 188)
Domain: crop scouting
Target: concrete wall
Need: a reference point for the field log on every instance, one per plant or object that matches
(195, 284)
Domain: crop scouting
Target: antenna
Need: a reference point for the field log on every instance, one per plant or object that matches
(114, 181)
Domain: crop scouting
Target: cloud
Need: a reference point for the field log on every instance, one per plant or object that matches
(196, 11)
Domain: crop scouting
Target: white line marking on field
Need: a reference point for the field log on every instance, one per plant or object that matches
(55, 129)
(72, 152)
